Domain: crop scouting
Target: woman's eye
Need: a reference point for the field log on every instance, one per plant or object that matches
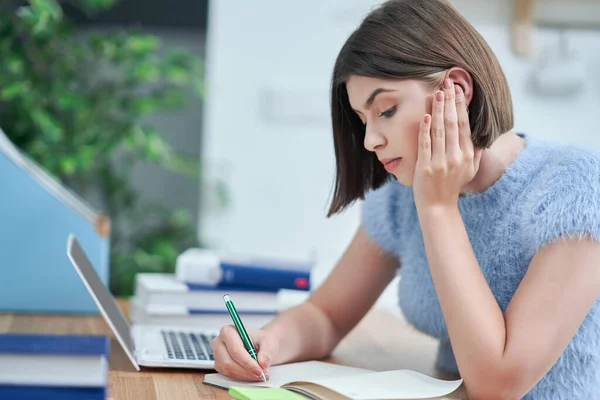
(388, 113)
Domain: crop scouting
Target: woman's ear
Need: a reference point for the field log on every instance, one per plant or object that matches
(461, 77)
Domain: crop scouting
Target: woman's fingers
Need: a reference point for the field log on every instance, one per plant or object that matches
(225, 365)
(232, 358)
(268, 347)
(438, 136)
(424, 151)
(450, 122)
(464, 128)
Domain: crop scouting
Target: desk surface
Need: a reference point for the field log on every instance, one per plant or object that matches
(381, 341)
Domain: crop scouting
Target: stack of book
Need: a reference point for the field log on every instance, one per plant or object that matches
(61, 367)
(193, 295)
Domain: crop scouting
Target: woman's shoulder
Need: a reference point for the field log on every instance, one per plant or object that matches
(567, 155)
(563, 196)
(565, 169)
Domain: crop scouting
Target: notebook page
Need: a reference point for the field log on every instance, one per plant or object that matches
(389, 385)
(282, 374)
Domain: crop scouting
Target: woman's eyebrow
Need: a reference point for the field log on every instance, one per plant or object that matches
(371, 98)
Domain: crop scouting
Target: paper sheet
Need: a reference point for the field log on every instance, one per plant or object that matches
(400, 384)
(282, 374)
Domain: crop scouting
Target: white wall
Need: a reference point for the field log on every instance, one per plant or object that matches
(267, 128)
(266, 117)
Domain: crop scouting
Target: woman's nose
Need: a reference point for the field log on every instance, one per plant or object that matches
(373, 139)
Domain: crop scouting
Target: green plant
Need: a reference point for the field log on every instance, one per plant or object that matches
(77, 103)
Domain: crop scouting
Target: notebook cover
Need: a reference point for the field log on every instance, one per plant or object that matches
(245, 393)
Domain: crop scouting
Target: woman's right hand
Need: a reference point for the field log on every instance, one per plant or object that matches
(233, 360)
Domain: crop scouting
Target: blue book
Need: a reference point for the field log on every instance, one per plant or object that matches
(11, 392)
(263, 276)
(205, 266)
(34, 343)
(38, 213)
(28, 359)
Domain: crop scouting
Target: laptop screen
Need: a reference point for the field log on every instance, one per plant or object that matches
(104, 300)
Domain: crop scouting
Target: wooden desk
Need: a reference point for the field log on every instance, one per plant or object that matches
(382, 341)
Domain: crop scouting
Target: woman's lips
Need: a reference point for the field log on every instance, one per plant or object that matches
(391, 163)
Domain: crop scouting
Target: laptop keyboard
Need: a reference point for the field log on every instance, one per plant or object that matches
(188, 346)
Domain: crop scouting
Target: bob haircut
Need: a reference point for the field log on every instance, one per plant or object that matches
(411, 39)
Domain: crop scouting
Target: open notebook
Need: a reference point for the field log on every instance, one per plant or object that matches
(324, 381)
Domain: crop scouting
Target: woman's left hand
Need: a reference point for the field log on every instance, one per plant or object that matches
(447, 159)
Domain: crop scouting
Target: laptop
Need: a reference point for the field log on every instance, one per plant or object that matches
(145, 345)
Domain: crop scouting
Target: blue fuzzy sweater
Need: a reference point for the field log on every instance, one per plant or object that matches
(549, 190)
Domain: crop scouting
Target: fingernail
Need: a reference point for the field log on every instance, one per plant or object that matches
(426, 118)
(447, 83)
(265, 362)
(457, 89)
(439, 96)
(257, 372)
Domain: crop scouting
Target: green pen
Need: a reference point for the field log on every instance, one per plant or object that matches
(237, 321)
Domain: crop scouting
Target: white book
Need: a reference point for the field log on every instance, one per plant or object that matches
(324, 381)
(164, 314)
(156, 288)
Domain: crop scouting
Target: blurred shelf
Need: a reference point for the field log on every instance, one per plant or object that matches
(175, 14)
(555, 14)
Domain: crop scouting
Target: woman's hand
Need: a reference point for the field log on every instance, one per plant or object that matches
(446, 160)
(233, 360)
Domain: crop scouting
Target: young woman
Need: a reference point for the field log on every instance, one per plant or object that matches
(494, 233)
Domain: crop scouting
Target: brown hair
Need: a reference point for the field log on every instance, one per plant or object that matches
(411, 39)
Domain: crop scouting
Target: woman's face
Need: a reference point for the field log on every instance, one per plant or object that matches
(391, 112)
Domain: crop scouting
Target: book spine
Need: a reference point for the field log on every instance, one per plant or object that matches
(245, 288)
(33, 343)
(242, 312)
(51, 393)
(244, 275)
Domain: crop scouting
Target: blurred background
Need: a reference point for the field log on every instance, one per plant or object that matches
(196, 123)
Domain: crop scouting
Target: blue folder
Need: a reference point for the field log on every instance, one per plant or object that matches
(37, 214)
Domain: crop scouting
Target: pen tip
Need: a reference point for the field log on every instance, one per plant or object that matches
(264, 378)
(226, 297)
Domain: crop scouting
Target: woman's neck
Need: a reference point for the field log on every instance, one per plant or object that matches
(494, 161)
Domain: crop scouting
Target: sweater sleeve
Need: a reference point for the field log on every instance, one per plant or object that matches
(567, 202)
(380, 216)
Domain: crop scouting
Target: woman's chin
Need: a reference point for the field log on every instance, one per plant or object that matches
(403, 179)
